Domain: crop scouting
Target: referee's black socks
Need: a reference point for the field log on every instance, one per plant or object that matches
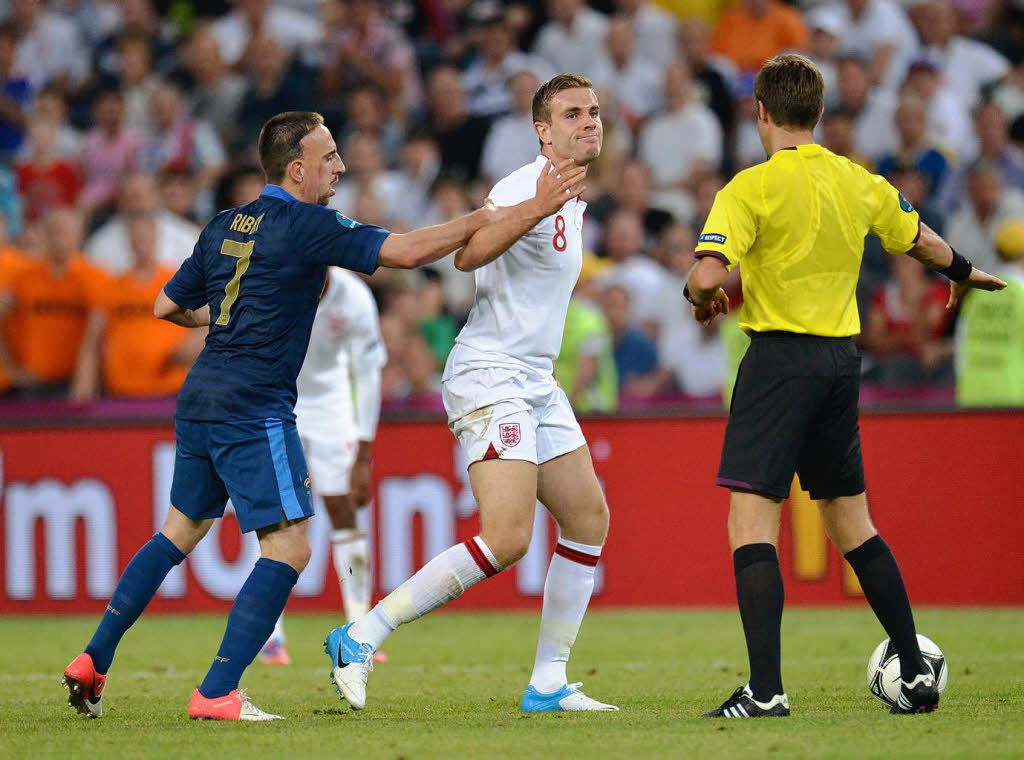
(760, 595)
(879, 576)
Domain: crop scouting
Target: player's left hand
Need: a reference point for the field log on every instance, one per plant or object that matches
(706, 313)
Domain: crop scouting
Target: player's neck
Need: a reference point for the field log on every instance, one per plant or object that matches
(294, 190)
(783, 140)
(548, 151)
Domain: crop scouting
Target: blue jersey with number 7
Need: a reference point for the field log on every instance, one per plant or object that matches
(261, 268)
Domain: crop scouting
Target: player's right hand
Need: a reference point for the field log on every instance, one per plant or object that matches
(978, 280)
(557, 183)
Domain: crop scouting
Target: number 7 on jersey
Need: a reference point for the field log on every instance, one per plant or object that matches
(242, 252)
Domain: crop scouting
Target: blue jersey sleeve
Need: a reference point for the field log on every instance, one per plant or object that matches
(324, 236)
(188, 286)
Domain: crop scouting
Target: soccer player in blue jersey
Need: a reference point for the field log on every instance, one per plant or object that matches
(255, 277)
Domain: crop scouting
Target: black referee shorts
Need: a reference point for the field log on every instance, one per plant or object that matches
(794, 409)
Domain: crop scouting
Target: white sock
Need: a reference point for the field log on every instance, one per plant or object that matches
(278, 634)
(438, 582)
(567, 590)
(351, 551)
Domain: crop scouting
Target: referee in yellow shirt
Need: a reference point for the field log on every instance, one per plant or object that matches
(797, 223)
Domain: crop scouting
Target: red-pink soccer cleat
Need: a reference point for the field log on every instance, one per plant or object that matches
(232, 706)
(275, 653)
(85, 686)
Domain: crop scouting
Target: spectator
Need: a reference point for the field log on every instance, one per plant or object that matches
(179, 194)
(292, 30)
(906, 326)
(691, 353)
(633, 270)
(872, 110)
(713, 74)
(366, 111)
(110, 248)
(449, 200)
(177, 142)
(656, 30)
(49, 301)
(1009, 93)
(636, 356)
(15, 95)
(436, 325)
(634, 81)
(990, 333)
(632, 191)
(752, 31)
(749, 149)
(420, 163)
(459, 135)
(486, 80)
(366, 174)
(133, 354)
(52, 106)
(216, 91)
(45, 180)
(136, 80)
(240, 186)
(972, 228)
(363, 47)
(948, 120)
(138, 20)
(13, 261)
(969, 65)
(675, 163)
(994, 145)
(275, 83)
(585, 366)
(110, 149)
(573, 37)
(877, 30)
(826, 27)
(838, 134)
(50, 49)
(703, 199)
(916, 149)
(511, 141)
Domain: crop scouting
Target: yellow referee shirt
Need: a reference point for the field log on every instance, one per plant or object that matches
(797, 224)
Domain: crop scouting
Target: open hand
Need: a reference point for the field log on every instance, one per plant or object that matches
(978, 280)
(558, 183)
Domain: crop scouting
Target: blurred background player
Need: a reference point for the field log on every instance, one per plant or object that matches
(234, 423)
(336, 412)
(795, 404)
(511, 418)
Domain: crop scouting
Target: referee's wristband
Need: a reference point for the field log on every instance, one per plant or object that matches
(687, 296)
(959, 269)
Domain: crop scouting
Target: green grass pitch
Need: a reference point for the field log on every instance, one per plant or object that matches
(452, 687)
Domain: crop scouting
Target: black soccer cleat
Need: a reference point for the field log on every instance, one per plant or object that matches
(919, 696)
(743, 705)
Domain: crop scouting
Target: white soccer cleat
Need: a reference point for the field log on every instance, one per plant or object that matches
(351, 663)
(567, 699)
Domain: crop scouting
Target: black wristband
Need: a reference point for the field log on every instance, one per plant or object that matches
(686, 295)
(959, 269)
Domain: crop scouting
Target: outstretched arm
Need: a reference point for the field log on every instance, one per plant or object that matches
(935, 253)
(556, 184)
(407, 250)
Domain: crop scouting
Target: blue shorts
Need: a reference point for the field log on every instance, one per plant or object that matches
(259, 464)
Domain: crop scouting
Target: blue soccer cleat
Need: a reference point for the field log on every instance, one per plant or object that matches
(567, 699)
(351, 663)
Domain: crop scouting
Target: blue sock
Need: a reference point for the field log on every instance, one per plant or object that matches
(137, 585)
(257, 607)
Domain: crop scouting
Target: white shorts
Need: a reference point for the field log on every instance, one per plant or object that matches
(330, 461)
(502, 414)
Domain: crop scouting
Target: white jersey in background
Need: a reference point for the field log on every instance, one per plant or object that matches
(498, 386)
(339, 394)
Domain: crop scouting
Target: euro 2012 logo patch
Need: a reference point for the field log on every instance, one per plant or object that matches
(905, 204)
(344, 221)
(712, 237)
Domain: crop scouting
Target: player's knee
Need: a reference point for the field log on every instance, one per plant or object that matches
(510, 547)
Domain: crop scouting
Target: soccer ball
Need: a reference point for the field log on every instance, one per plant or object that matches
(884, 669)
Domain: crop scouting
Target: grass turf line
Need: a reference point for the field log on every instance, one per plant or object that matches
(452, 688)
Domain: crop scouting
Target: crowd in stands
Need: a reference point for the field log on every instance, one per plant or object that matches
(126, 124)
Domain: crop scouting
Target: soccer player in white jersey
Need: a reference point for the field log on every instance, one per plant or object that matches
(336, 413)
(511, 418)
